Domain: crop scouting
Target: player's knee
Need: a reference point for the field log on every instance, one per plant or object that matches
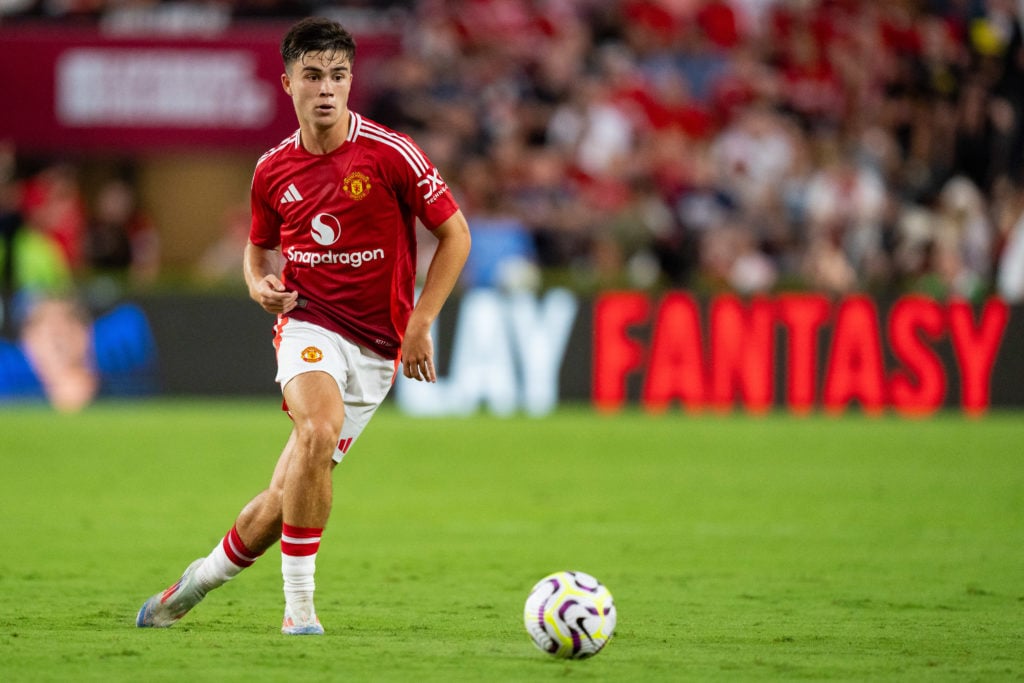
(319, 437)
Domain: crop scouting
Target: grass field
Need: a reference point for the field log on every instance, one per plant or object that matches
(737, 548)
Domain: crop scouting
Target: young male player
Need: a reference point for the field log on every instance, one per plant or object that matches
(332, 253)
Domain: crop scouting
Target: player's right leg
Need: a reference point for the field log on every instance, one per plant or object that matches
(166, 608)
(257, 527)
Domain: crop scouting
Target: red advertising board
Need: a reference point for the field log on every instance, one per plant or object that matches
(73, 88)
(802, 350)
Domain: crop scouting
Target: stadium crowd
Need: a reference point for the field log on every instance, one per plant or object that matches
(718, 145)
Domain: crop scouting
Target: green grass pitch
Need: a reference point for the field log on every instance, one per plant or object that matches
(738, 548)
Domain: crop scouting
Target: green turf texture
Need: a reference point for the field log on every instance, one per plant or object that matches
(738, 548)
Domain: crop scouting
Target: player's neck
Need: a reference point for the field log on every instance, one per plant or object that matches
(325, 140)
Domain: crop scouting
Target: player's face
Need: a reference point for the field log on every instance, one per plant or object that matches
(319, 85)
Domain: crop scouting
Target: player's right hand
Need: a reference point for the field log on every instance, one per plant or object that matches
(272, 295)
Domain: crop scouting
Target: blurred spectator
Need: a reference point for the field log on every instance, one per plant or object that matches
(672, 106)
(38, 264)
(809, 85)
(845, 206)
(57, 339)
(32, 263)
(52, 204)
(592, 129)
(753, 156)
(947, 250)
(972, 233)
(35, 266)
(752, 271)
(121, 241)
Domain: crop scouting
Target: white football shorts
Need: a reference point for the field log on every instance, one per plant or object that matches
(364, 378)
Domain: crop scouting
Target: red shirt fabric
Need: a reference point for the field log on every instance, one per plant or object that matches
(345, 223)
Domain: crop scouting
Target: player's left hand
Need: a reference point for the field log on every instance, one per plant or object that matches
(418, 356)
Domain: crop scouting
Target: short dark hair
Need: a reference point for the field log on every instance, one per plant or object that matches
(317, 34)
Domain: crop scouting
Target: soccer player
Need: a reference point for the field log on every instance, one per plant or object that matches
(331, 253)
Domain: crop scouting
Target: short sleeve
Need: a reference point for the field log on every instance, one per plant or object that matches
(265, 230)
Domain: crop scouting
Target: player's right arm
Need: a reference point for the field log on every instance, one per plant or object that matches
(262, 262)
(262, 275)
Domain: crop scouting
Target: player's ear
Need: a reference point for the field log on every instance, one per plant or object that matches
(286, 83)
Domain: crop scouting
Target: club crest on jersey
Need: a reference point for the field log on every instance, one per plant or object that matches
(356, 186)
(311, 354)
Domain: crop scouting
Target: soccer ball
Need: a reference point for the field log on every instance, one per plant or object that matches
(570, 615)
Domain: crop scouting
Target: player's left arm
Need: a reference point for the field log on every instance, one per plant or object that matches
(453, 243)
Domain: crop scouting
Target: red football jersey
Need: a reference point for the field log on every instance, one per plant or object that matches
(345, 223)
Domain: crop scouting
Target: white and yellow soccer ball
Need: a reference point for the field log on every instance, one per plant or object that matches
(570, 615)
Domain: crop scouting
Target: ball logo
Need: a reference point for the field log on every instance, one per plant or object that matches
(326, 229)
(311, 354)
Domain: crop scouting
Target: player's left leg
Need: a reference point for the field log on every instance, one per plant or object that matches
(331, 388)
(367, 382)
(316, 407)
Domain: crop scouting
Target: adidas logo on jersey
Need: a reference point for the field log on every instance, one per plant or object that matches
(291, 194)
